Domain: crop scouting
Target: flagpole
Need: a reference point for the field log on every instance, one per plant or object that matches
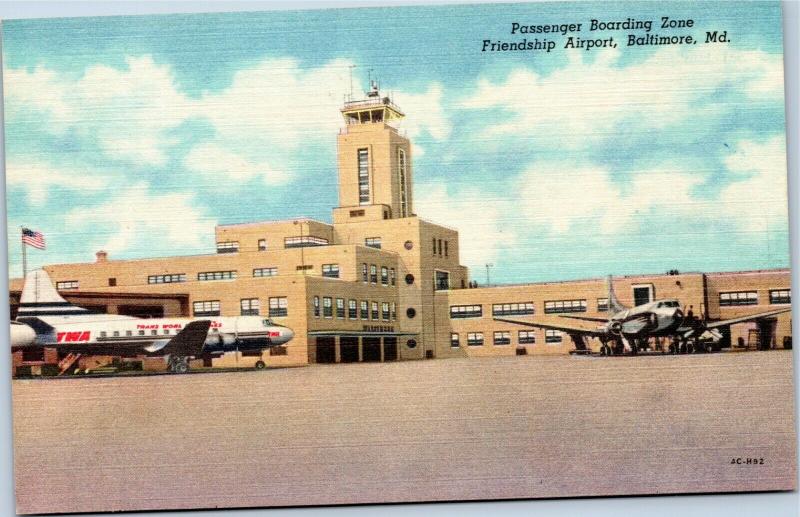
(24, 254)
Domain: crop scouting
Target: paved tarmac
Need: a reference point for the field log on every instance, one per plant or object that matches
(511, 427)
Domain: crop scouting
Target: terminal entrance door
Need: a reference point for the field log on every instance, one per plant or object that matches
(348, 349)
(390, 349)
(326, 350)
(766, 333)
(372, 349)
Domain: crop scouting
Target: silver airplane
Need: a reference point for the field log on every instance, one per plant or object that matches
(45, 319)
(629, 327)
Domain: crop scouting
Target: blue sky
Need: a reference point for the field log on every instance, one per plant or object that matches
(138, 134)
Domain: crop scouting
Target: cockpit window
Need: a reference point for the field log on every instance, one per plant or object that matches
(267, 322)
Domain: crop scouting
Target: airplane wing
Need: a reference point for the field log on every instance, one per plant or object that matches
(744, 319)
(188, 342)
(569, 329)
(584, 318)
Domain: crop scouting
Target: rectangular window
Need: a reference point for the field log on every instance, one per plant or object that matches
(552, 336)
(265, 271)
(560, 306)
(67, 284)
(340, 308)
(527, 337)
(512, 309)
(357, 213)
(393, 310)
(250, 306)
(475, 339)
(440, 247)
(642, 294)
(112, 282)
(278, 350)
(262, 244)
(373, 274)
(402, 181)
(316, 306)
(228, 247)
(454, 342)
(392, 277)
(385, 311)
(375, 314)
(445, 249)
(373, 242)
(206, 308)
(363, 177)
(738, 298)
(304, 242)
(780, 296)
(330, 270)
(602, 305)
(384, 275)
(216, 275)
(278, 307)
(502, 338)
(305, 267)
(364, 310)
(327, 306)
(166, 279)
(441, 280)
(466, 311)
(434, 245)
(364, 273)
(352, 309)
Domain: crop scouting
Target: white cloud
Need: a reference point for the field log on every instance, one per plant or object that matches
(269, 111)
(583, 102)
(39, 181)
(565, 201)
(757, 198)
(231, 168)
(481, 236)
(138, 220)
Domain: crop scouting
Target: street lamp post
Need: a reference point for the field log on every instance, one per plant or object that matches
(487, 273)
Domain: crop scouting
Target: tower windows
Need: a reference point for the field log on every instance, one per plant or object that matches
(363, 177)
(402, 181)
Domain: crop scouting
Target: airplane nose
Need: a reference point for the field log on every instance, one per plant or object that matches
(22, 335)
(287, 335)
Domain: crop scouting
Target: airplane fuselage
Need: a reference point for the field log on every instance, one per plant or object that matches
(656, 318)
(108, 333)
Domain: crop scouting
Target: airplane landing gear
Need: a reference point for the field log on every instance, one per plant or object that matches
(178, 364)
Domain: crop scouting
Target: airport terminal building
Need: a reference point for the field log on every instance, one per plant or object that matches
(381, 284)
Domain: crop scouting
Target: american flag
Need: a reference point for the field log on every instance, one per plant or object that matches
(33, 238)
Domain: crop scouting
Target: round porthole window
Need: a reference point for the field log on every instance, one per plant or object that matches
(411, 343)
(409, 279)
(411, 312)
(408, 245)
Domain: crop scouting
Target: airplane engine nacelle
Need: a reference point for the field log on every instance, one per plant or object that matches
(615, 327)
(214, 340)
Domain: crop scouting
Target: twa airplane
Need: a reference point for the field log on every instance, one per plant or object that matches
(53, 322)
(629, 327)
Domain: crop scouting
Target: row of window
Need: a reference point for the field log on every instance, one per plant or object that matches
(278, 307)
(438, 249)
(776, 296)
(503, 337)
(304, 241)
(369, 274)
(364, 309)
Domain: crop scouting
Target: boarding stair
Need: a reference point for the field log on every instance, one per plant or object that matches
(67, 362)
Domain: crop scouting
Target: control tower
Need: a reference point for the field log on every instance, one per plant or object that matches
(374, 159)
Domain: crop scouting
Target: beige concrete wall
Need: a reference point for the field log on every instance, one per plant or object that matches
(762, 282)
(382, 142)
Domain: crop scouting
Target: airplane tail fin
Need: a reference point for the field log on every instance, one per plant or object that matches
(40, 298)
(614, 304)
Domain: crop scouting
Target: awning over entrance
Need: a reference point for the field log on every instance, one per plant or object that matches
(359, 333)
